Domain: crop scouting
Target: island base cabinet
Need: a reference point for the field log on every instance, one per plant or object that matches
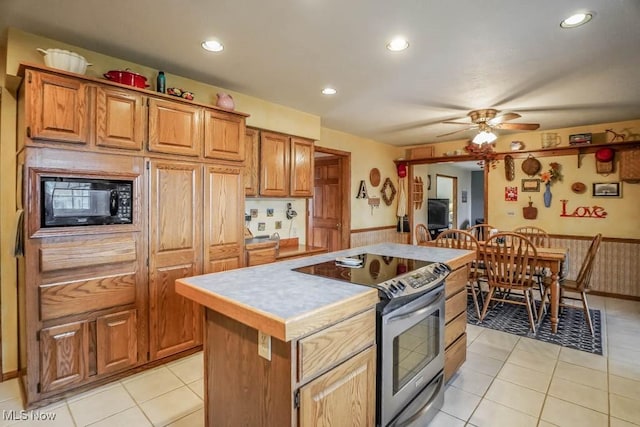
(242, 388)
(343, 396)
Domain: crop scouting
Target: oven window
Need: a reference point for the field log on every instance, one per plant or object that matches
(414, 348)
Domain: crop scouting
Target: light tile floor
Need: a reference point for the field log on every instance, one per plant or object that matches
(506, 381)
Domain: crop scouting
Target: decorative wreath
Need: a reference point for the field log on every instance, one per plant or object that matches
(388, 185)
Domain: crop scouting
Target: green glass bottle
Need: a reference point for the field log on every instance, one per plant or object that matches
(160, 83)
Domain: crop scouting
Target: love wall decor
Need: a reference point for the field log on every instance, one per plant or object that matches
(583, 211)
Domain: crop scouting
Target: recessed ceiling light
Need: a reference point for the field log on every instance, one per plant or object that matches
(398, 44)
(577, 20)
(329, 91)
(212, 46)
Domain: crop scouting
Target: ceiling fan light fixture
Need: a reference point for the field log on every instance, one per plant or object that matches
(485, 136)
(212, 46)
(577, 20)
(398, 44)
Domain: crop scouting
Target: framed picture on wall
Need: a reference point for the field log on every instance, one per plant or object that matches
(606, 189)
(530, 185)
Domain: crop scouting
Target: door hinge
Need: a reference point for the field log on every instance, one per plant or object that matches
(147, 262)
(29, 77)
(28, 131)
(296, 399)
(148, 165)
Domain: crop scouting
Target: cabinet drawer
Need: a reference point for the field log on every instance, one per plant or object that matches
(81, 296)
(336, 343)
(454, 329)
(454, 306)
(456, 281)
(261, 256)
(454, 357)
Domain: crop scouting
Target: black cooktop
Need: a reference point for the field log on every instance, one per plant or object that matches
(374, 269)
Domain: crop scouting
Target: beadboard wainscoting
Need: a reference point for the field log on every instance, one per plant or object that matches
(616, 271)
(372, 236)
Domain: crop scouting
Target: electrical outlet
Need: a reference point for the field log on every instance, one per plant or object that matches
(264, 345)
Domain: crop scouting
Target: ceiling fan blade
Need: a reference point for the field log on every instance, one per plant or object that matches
(456, 131)
(518, 126)
(451, 122)
(503, 118)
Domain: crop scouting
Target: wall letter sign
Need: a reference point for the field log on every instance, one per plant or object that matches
(584, 211)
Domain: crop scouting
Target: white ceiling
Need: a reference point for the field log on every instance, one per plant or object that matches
(463, 55)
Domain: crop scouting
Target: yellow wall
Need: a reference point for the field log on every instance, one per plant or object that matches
(622, 219)
(365, 155)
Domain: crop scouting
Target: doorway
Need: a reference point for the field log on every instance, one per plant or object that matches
(447, 188)
(329, 211)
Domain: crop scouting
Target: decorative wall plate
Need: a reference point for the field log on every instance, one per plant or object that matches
(374, 177)
(531, 166)
(388, 187)
(578, 187)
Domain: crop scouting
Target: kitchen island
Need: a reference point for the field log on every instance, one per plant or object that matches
(287, 348)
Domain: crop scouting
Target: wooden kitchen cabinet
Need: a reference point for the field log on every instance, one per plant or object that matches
(263, 252)
(116, 341)
(64, 351)
(175, 251)
(347, 392)
(274, 164)
(455, 352)
(324, 377)
(120, 118)
(251, 148)
(301, 167)
(175, 128)
(223, 136)
(57, 108)
(223, 218)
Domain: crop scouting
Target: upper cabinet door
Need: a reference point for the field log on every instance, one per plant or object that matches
(274, 164)
(58, 108)
(174, 128)
(301, 167)
(251, 142)
(119, 119)
(223, 136)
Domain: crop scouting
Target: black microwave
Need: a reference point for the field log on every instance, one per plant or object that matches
(69, 202)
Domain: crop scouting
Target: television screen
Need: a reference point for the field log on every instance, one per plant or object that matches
(437, 213)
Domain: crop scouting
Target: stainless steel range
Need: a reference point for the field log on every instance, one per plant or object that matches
(410, 331)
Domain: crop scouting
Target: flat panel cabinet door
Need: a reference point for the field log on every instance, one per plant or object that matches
(251, 143)
(174, 128)
(58, 108)
(223, 136)
(64, 354)
(175, 248)
(116, 335)
(301, 167)
(119, 119)
(346, 392)
(274, 164)
(223, 218)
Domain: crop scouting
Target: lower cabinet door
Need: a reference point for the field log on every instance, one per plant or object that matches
(64, 352)
(346, 395)
(117, 341)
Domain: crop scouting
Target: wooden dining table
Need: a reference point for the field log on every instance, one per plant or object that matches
(553, 260)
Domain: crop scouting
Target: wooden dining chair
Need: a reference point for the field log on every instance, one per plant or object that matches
(581, 285)
(460, 239)
(480, 231)
(422, 234)
(538, 236)
(508, 257)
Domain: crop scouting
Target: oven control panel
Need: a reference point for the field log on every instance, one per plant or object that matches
(416, 281)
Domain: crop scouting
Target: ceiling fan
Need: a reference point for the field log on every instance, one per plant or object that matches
(488, 120)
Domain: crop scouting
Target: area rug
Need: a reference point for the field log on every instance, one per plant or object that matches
(573, 331)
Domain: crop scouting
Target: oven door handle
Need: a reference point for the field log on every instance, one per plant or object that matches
(419, 311)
